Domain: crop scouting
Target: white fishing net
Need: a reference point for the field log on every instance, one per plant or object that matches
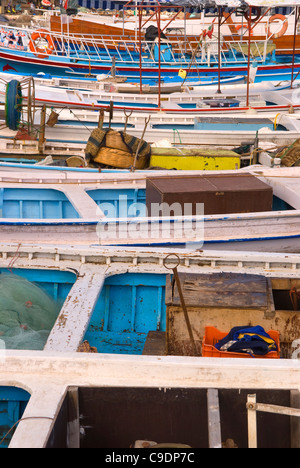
(27, 313)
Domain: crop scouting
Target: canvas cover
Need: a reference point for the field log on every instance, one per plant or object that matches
(233, 3)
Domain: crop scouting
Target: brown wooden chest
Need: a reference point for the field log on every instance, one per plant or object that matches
(220, 194)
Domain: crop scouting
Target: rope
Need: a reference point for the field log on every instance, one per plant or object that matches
(23, 419)
(14, 259)
(174, 135)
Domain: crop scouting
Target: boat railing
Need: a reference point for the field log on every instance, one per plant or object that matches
(100, 48)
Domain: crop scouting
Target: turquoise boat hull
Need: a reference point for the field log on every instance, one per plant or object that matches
(13, 402)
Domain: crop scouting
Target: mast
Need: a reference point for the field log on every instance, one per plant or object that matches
(159, 58)
(294, 43)
(140, 47)
(219, 50)
(249, 52)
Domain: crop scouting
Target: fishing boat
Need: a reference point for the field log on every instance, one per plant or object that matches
(65, 132)
(280, 23)
(107, 83)
(72, 158)
(228, 130)
(273, 98)
(111, 209)
(68, 94)
(116, 321)
(61, 53)
(176, 121)
(130, 290)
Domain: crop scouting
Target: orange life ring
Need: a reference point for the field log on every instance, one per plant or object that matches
(244, 27)
(282, 30)
(38, 51)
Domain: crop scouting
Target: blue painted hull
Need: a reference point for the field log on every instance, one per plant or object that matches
(25, 62)
(13, 402)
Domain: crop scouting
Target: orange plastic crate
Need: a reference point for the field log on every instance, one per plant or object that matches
(213, 336)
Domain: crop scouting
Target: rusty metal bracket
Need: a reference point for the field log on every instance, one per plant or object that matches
(182, 301)
(147, 120)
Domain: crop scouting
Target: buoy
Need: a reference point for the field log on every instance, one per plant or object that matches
(13, 104)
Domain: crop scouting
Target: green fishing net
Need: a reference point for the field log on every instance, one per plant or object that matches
(27, 313)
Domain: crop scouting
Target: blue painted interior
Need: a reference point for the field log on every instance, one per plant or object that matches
(53, 204)
(280, 205)
(35, 204)
(57, 284)
(234, 126)
(120, 203)
(130, 305)
(13, 402)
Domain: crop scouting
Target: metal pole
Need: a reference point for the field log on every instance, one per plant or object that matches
(42, 130)
(219, 51)
(294, 45)
(140, 43)
(101, 118)
(159, 59)
(249, 53)
(182, 301)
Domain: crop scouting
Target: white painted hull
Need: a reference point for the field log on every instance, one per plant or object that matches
(275, 231)
(49, 374)
(79, 133)
(61, 96)
(269, 238)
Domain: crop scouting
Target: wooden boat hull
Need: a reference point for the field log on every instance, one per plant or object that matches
(21, 62)
(144, 296)
(176, 388)
(129, 275)
(85, 215)
(184, 134)
(116, 286)
(274, 97)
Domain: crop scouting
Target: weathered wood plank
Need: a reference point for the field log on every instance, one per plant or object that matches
(224, 290)
(155, 344)
(76, 313)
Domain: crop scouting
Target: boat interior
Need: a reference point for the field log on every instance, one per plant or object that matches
(135, 321)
